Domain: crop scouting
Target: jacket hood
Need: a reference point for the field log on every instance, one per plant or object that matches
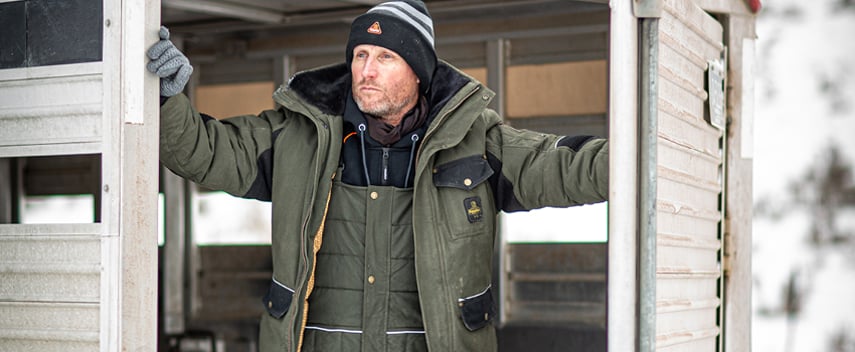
(327, 87)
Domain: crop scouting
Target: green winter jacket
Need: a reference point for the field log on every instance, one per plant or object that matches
(469, 167)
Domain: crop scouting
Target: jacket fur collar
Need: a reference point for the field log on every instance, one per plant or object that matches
(327, 87)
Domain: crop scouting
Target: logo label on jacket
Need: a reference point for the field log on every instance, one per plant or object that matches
(472, 205)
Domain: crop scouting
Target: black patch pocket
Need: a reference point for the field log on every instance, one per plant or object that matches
(464, 196)
(278, 299)
(477, 311)
(464, 173)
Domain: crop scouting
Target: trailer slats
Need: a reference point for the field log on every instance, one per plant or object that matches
(689, 182)
(51, 111)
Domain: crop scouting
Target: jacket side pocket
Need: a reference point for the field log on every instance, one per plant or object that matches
(477, 310)
(278, 299)
(464, 195)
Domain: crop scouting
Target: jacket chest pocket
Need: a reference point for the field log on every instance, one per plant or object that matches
(464, 196)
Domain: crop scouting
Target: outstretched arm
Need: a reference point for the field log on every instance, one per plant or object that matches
(535, 170)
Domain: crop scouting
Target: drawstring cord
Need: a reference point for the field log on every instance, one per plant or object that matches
(362, 143)
(414, 138)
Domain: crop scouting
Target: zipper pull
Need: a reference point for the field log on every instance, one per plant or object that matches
(385, 166)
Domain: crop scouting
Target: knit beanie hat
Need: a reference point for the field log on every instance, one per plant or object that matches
(404, 27)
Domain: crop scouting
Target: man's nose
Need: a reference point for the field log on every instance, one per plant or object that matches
(369, 69)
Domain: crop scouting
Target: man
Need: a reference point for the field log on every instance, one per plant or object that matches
(386, 174)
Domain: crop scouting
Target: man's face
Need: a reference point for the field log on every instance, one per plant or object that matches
(384, 85)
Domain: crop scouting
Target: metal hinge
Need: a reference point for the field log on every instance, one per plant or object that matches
(647, 8)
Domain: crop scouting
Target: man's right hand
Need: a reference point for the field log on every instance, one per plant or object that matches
(170, 64)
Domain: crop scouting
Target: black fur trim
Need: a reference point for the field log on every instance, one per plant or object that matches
(446, 82)
(327, 87)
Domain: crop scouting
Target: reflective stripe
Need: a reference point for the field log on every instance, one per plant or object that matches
(475, 295)
(283, 286)
(348, 331)
(409, 14)
(405, 332)
(333, 330)
(558, 141)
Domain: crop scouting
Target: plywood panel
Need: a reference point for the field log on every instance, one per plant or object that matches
(227, 100)
(478, 73)
(574, 88)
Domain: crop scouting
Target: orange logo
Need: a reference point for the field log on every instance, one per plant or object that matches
(375, 28)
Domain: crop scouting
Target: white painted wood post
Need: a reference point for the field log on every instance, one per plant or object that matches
(129, 178)
(623, 178)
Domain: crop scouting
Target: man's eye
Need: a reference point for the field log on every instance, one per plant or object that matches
(361, 55)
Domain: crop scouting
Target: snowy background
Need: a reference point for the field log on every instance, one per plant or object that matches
(804, 223)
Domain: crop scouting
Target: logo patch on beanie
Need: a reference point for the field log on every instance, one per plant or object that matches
(375, 28)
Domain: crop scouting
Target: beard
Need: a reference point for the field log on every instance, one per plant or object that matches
(381, 104)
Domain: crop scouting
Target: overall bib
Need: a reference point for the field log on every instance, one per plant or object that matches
(365, 296)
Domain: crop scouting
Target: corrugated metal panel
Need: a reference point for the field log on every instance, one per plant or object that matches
(49, 287)
(689, 183)
(56, 107)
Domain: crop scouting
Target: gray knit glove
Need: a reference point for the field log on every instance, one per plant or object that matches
(170, 64)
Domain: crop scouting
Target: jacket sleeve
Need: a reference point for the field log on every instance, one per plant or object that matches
(535, 170)
(231, 155)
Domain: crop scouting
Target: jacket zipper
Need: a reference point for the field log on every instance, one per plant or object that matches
(385, 180)
(310, 285)
(303, 230)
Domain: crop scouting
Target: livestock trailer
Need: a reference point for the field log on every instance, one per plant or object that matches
(665, 266)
